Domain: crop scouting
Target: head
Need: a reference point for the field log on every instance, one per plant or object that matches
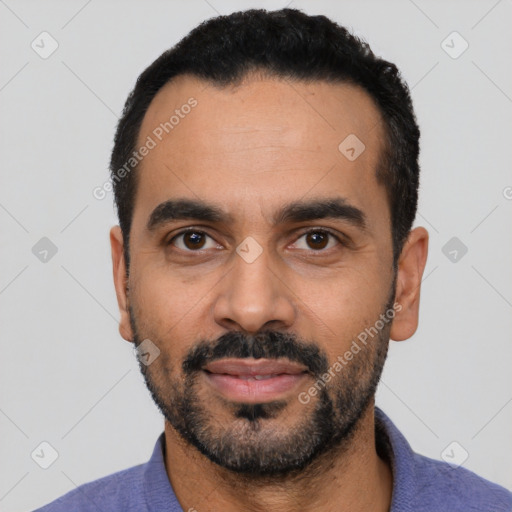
(268, 218)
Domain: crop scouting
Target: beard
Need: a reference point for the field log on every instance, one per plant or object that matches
(271, 439)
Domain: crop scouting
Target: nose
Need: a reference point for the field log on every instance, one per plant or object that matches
(253, 296)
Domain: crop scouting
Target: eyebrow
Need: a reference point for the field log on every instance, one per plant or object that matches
(295, 211)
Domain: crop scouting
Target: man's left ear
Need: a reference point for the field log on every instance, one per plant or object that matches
(411, 265)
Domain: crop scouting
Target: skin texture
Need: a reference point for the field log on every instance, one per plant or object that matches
(250, 149)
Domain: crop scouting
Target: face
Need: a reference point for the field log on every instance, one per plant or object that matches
(260, 258)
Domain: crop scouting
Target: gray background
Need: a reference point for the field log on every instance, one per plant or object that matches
(69, 379)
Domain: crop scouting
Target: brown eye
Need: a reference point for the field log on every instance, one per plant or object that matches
(193, 240)
(190, 240)
(318, 240)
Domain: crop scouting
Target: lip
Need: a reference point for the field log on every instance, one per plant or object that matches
(254, 380)
(250, 367)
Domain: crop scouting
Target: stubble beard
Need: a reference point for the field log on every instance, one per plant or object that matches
(254, 441)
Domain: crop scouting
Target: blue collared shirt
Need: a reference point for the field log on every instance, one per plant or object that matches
(420, 484)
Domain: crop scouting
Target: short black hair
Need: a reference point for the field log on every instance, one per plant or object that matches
(287, 44)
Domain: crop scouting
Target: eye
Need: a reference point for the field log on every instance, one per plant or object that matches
(318, 240)
(191, 240)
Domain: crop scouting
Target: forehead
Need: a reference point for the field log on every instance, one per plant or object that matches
(259, 144)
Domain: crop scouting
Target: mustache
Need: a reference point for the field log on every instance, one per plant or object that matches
(263, 345)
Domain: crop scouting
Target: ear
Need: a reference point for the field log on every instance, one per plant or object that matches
(120, 281)
(411, 265)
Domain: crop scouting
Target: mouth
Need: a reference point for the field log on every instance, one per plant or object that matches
(254, 380)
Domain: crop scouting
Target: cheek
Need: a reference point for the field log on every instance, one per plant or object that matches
(157, 291)
(167, 307)
(343, 311)
(345, 295)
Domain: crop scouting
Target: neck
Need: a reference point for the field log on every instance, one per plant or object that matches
(349, 477)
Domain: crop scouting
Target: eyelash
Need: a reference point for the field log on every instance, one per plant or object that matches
(312, 230)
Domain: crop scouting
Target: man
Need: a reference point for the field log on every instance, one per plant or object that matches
(265, 173)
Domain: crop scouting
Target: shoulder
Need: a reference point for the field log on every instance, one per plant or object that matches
(120, 491)
(447, 487)
(423, 484)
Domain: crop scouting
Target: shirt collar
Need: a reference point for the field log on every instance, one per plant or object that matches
(391, 445)
(158, 491)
